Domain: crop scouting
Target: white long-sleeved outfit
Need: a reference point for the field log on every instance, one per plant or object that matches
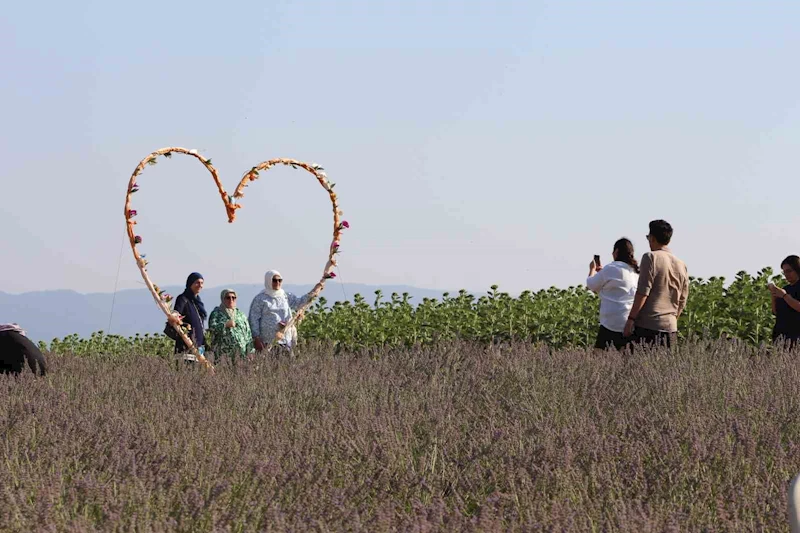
(616, 285)
(266, 312)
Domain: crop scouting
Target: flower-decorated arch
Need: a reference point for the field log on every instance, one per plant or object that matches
(231, 203)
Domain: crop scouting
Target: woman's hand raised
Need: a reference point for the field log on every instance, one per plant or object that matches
(776, 291)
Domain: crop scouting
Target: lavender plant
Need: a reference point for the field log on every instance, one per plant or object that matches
(452, 436)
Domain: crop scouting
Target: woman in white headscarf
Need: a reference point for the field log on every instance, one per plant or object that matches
(271, 310)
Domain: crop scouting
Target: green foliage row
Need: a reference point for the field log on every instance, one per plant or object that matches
(556, 317)
(110, 346)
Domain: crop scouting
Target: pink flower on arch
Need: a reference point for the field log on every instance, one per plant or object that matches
(137, 239)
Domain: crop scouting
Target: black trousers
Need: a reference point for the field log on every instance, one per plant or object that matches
(607, 338)
(16, 350)
(789, 341)
(650, 337)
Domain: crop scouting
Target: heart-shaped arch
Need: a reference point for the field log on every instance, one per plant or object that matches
(230, 201)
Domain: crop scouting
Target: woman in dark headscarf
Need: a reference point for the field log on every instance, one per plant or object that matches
(190, 306)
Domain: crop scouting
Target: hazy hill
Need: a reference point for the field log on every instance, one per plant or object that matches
(48, 314)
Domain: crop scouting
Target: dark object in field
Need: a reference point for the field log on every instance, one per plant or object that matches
(15, 350)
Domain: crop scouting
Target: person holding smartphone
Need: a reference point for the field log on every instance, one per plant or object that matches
(615, 284)
(786, 304)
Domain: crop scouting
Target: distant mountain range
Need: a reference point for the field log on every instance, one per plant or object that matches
(58, 313)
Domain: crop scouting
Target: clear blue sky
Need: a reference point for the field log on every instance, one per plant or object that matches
(471, 142)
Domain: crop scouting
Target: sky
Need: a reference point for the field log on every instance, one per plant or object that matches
(472, 143)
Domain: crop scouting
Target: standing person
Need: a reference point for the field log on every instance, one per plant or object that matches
(189, 305)
(16, 349)
(786, 304)
(231, 329)
(662, 291)
(271, 310)
(616, 285)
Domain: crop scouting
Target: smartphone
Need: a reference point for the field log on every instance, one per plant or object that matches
(597, 260)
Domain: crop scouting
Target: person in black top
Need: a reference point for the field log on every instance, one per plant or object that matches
(786, 303)
(16, 350)
(191, 307)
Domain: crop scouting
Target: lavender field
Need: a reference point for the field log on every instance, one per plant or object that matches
(448, 437)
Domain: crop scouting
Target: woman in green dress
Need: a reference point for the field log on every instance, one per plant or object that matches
(230, 329)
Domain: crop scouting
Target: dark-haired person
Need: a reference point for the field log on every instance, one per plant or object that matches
(16, 350)
(662, 291)
(615, 284)
(786, 304)
(191, 307)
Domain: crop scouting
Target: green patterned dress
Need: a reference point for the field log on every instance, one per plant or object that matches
(235, 342)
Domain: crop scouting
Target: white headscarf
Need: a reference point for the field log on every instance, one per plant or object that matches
(268, 284)
(13, 327)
